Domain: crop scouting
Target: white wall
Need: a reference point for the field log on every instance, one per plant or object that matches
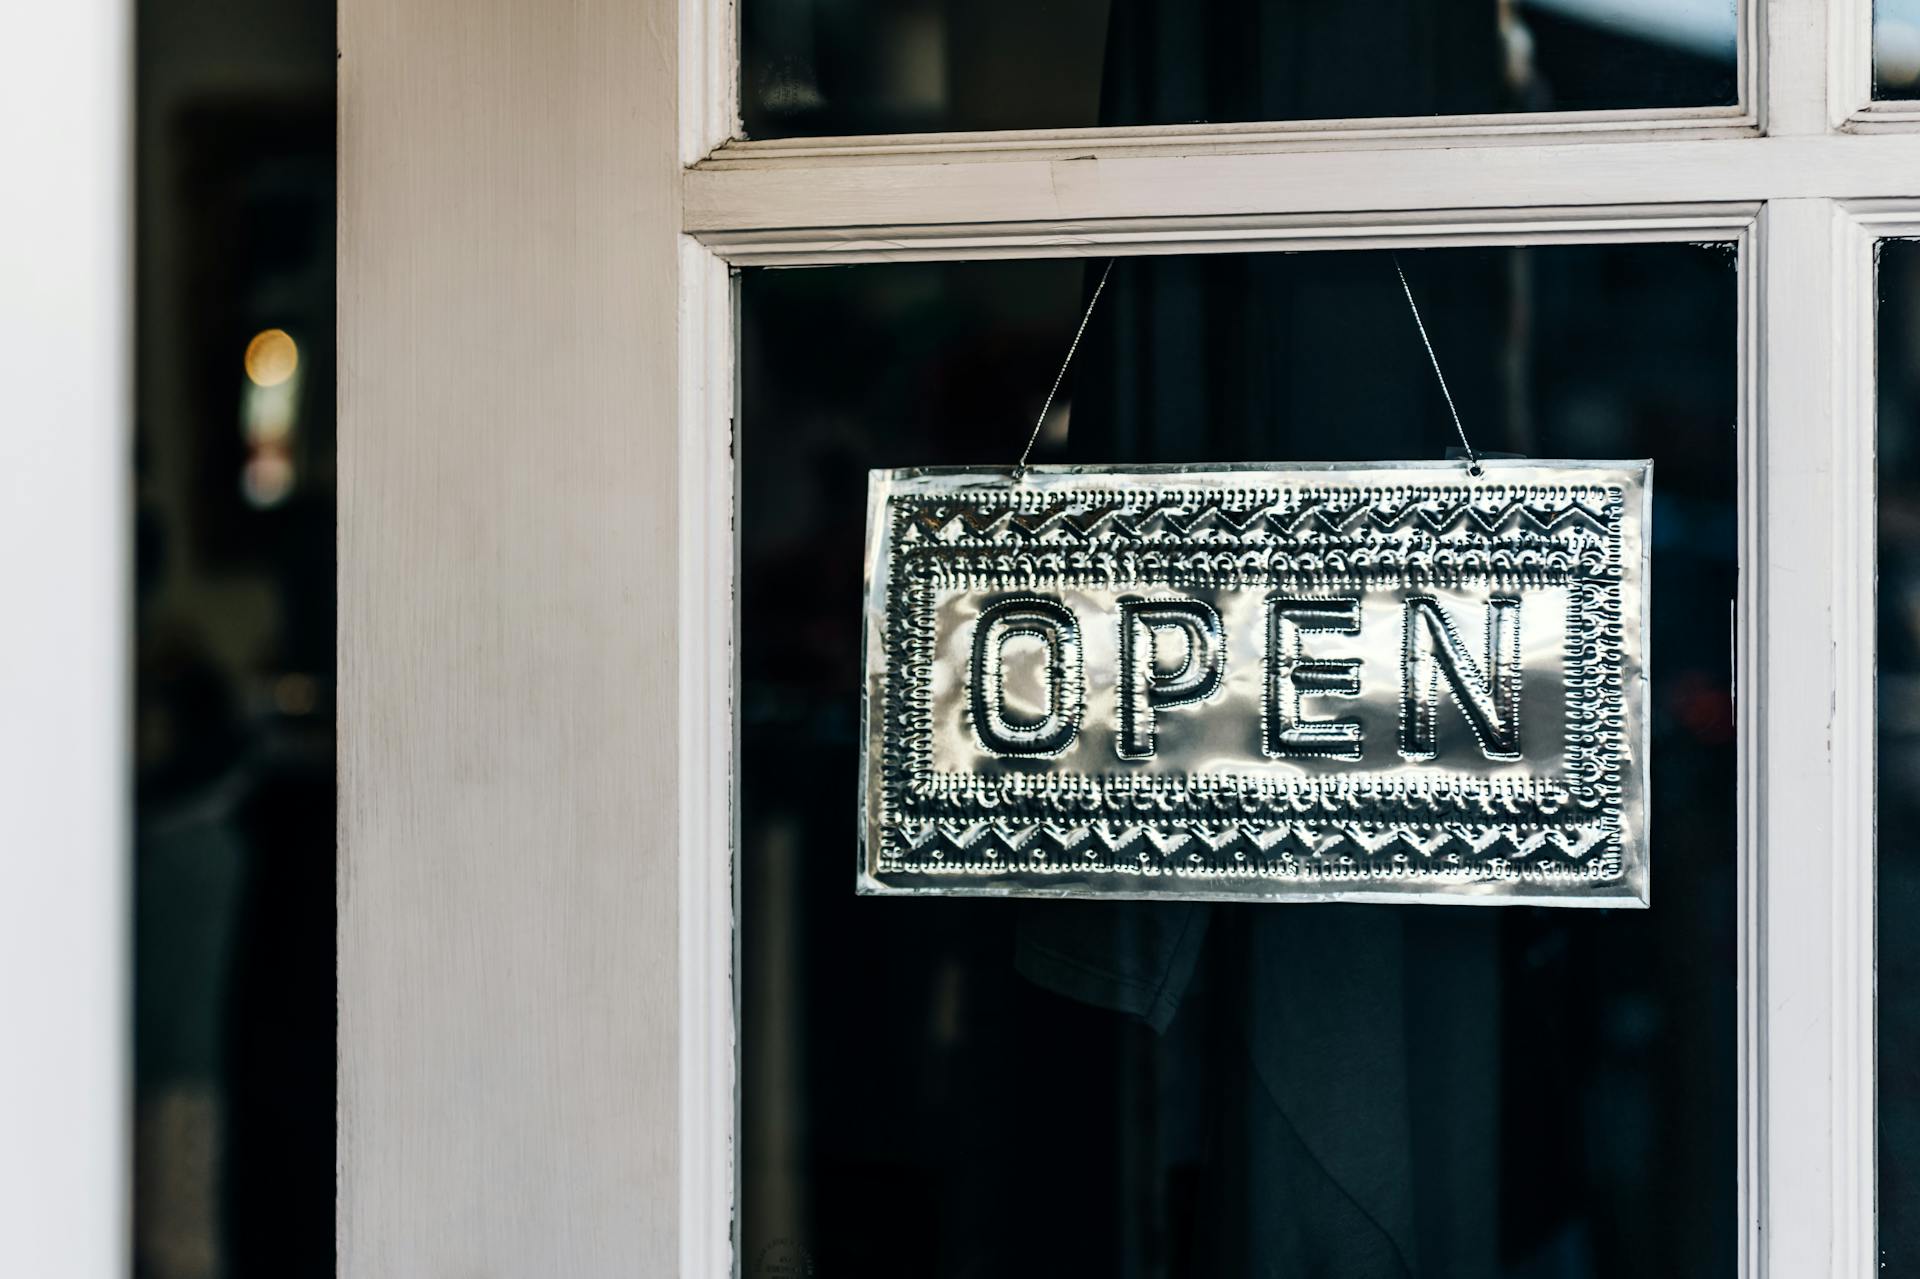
(65, 364)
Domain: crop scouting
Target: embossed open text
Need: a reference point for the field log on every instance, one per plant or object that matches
(1324, 682)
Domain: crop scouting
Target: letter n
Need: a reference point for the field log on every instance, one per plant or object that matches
(1489, 700)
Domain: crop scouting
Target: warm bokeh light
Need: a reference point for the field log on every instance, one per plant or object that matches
(267, 478)
(272, 357)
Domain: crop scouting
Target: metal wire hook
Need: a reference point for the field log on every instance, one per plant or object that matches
(1473, 459)
(1020, 467)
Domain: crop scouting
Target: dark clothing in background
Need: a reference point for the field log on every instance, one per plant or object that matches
(1352, 1053)
(1350, 1066)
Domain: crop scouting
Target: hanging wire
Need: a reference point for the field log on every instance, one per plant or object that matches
(1061, 376)
(1473, 459)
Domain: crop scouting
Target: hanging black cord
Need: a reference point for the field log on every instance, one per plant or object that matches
(1061, 376)
(1473, 460)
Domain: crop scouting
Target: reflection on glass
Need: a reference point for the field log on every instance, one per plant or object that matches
(1896, 49)
(815, 67)
(942, 1087)
(1898, 754)
(233, 886)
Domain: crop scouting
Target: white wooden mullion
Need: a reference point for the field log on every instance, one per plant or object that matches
(1850, 71)
(1149, 236)
(1793, 47)
(707, 40)
(1855, 1136)
(1395, 132)
(1806, 708)
(1859, 232)
(889, 199)
(709, 894)
(1849, 59)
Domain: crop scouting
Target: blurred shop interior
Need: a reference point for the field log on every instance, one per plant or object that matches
(234, 483)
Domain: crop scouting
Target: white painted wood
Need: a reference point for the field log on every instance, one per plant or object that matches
(1794, 71)
(879, 198)
(709, 55)
(1795, 787)
(1394, 132)
(1885, 117)
(1851, 84)
(1855, 1045)
(1850, 60)
(1856, 533)
(1747, 632)
(510, 685)
(709, 1180)
(709, 894)
(1293, 233)
(66, 295)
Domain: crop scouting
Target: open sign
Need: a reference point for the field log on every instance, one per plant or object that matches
(1317, 682)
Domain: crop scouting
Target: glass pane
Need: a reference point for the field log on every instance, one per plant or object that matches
(1898, 753)
(1896, 48)
(958, 1087)
(233, 476)
(814, 67)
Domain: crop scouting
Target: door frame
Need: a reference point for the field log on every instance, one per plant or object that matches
(1804, 178)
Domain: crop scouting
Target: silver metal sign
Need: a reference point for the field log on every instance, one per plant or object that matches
(1391, 682)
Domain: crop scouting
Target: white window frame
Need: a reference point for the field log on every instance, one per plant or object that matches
(1804, 177)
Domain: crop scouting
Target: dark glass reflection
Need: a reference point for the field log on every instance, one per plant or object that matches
(1898, 781)
(234, 473)
(814, 67)
(940, 1087)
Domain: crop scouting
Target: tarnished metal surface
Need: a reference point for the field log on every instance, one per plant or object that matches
(1388, 682)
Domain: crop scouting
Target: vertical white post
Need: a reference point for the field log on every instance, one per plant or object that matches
(1795, 70)
(1853, 419)
(1809, 696)
(65, 458)
(708, 891)
(510, 683)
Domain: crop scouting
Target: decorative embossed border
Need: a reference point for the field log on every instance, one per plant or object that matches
(1578, 835)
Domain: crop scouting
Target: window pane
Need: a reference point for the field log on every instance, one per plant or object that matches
(233, 478)
(1898, 755)
(1896, 48)
(947, 1087)
(813, 67)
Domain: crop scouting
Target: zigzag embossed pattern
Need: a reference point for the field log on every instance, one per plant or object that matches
(1256, 515)
(1305, 852)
